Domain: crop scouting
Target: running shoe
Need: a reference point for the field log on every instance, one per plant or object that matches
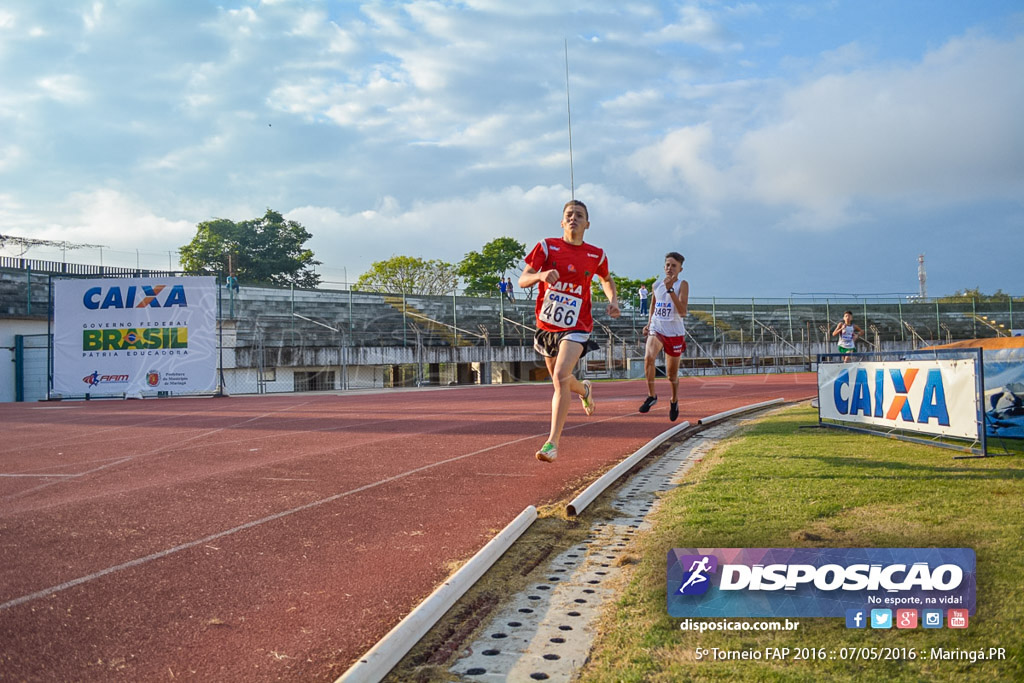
(548, 452)
(648, 404)
(673, 410)
(587, 399)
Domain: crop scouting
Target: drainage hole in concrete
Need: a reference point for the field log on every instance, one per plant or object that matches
(476, 671)
(499, 635)
(557, 641)
(551, 657)
(588, 591)
(539, 676)
(574, 614)
(580, 601)
(565, 627)
(543, 588)
(525, 610)
(534, 597)
(490, 653)
(593, 581)
(515, 624)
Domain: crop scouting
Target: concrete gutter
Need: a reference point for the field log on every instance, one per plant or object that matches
(389, 650)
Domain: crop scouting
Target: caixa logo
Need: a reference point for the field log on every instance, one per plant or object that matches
(96, 379)
(145, 296)
(866, 396)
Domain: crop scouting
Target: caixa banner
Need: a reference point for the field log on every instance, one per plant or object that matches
(122, 336)
(932, 395)
(816, 582)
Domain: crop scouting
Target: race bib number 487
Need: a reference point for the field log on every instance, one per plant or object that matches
(663, 310)
(560, 309)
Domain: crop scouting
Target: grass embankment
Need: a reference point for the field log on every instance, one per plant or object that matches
(780, 486)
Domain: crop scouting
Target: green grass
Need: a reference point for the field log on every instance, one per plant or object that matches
(780, 486)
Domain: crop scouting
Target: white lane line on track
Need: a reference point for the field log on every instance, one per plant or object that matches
(148, 453)
(38, 476)
(248, 525)
(270, 518)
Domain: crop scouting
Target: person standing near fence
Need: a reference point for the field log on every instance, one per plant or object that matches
(643, 299)
(563, 267)
(666, 330)
(848, 333)
(509, 291)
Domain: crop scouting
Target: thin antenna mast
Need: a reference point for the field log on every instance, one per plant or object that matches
(568, 111)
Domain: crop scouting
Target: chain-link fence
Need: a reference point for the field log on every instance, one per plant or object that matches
(286, 339)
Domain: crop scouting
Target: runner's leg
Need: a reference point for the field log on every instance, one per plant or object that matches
(565, 384)
(672, 370)
(651, 352)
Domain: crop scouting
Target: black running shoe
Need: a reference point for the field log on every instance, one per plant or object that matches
(648, 404)
(673, 410)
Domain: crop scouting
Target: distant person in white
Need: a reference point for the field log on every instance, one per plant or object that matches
(847, 333)
(666, 331)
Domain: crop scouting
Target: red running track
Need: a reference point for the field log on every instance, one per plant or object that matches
(270, 538)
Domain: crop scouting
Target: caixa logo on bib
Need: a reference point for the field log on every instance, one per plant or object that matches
(816, 582)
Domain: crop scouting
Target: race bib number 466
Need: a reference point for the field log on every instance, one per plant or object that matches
(560, 309)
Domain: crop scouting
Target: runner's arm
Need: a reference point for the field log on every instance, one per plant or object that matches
(682, 297)
(532, 276)
(608, 285)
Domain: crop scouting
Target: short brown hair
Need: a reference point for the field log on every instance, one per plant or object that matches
(676, 255)
(576, 202)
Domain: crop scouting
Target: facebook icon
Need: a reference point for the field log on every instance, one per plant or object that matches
(856, 618)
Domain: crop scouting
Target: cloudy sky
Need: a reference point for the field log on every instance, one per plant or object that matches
(783, 147)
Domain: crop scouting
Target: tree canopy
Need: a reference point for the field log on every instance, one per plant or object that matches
(265, 250)
(409, 275)
(976, 295)
(626, 288)
(481, 270)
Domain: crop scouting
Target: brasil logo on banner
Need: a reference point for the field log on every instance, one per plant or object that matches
(816, 582)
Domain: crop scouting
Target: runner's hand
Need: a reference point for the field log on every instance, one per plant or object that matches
(549, 276)
(613, 310)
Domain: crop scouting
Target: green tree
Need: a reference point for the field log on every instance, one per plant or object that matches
(975, 294)
(627, 288)
(482, 270)
(265, 250)
(409, 275)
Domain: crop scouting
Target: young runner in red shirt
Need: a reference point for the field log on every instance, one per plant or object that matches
(563, 267)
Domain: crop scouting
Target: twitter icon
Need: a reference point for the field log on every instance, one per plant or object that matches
(881, 618)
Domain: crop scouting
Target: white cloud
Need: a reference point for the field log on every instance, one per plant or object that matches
(696, 26)
(66, 88)
(10, 157)
(92, 16)
(936, 132)
(681, 158)
(940, 131)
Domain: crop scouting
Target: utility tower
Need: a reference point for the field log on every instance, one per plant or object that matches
(922, 278)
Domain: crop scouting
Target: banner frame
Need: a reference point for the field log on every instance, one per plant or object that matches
(977, 448)
(218, 390)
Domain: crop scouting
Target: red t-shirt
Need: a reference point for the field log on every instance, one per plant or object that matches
(565, 305)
